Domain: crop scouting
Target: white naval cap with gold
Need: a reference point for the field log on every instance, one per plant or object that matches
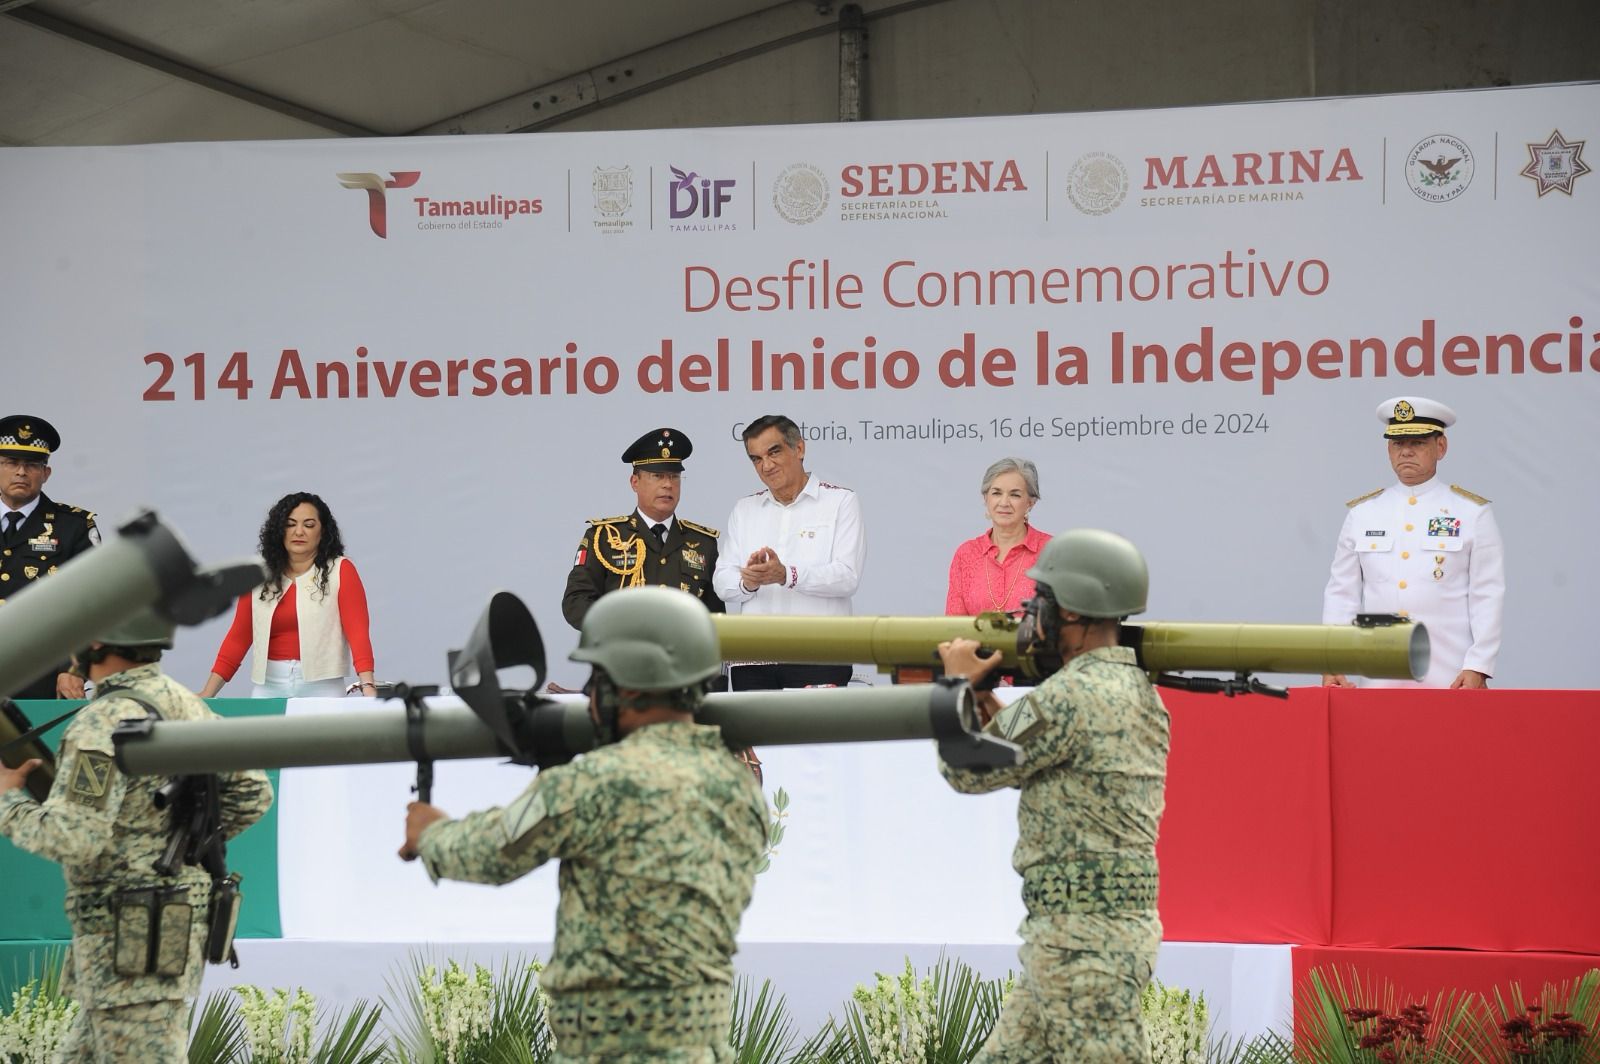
(1412, 415)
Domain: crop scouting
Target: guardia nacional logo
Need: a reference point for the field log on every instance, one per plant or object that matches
(1439, 168)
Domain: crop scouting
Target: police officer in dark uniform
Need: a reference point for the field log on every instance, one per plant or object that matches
(651, 545)
(37, 534)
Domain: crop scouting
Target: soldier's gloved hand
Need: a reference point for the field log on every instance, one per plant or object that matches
(418, 816)
(12, 778)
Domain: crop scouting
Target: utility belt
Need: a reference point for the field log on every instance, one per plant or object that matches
(1103, 883)
(598, 1021)
(151, 926)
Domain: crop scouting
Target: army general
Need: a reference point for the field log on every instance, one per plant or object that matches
(37, 534)
(138, 936)
(651, 545)
(1094, 737)
(659, 830)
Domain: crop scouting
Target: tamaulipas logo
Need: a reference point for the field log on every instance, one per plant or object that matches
(434, 213)
(375, 187)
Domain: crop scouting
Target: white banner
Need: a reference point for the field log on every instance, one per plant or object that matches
(1186, 318)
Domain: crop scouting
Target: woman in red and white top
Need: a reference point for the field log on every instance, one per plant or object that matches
(986, 573)
(308, 623)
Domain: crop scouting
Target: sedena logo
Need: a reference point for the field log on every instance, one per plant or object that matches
(377, 206)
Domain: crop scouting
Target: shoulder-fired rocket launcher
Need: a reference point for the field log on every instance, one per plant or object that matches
(1377, 646)
(145, 566)
(529, 729)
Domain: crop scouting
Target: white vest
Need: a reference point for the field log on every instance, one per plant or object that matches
(323, 651)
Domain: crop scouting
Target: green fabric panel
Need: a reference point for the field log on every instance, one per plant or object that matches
(32, 909)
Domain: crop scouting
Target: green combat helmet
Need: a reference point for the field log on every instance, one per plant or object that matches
(1094, 573)
(648, 639)
(146, 629)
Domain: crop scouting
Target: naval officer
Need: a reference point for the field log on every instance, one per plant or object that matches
(1423, 549)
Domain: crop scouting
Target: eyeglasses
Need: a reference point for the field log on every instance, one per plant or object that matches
(31, 466)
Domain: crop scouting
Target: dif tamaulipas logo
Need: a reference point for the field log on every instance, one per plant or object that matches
(1439, 168)
(697, 203)
(1254, 176)
(923, 191)
(435, 213)
(1555, 164)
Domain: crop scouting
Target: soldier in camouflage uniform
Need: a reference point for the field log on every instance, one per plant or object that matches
(106, 832)
(1093, 776)
(660, 830)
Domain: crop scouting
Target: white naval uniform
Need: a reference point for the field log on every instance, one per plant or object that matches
(1430, 552)
(818, 537)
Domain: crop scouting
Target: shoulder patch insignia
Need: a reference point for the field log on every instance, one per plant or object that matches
(1359, 499)
(1465, 494)
(520, 818)
(1019, 722)
(707, 529)
(91, 779)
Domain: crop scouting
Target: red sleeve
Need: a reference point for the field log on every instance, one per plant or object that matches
(236, 644)
(353, 616)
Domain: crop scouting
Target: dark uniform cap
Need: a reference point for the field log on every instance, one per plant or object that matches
(26, 436)
(659, 451)
(1411, 415)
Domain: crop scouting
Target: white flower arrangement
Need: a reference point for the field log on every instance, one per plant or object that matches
(458, 1008)
(280, 1027)
(898, 1014)
(35, 1025)
(1176, 1022)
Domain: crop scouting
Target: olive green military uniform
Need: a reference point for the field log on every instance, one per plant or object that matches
(1093, 779)
(106, 833)
(52, 533)
(622, 552)
(659, 837)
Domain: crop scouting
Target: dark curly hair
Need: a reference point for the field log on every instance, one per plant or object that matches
(276, 555)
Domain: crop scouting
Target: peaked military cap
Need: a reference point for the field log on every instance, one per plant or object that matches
(1412, 415)
(659, 451)
(26, 436)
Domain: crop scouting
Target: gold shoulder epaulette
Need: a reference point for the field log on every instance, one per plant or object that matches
(609, 520)
(707, 529)
(1359, 499)
(1465, 494)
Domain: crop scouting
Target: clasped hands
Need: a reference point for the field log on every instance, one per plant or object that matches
(763, 567)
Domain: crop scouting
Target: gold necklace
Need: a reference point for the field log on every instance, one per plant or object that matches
(988, 586)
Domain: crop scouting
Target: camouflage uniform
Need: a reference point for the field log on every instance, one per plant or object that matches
(660, 836)
(1092, 781)
(106, 833)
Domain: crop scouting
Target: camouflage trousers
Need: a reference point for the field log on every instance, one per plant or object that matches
(144, 1033)
(1073, 1005)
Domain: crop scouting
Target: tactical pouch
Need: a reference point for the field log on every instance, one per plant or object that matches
(223, 920)
(152, 929)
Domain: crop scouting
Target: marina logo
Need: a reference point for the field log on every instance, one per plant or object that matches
(800, 194)
(1439, 168)
(1555, 164)
(1097, 183)
(375, 187)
